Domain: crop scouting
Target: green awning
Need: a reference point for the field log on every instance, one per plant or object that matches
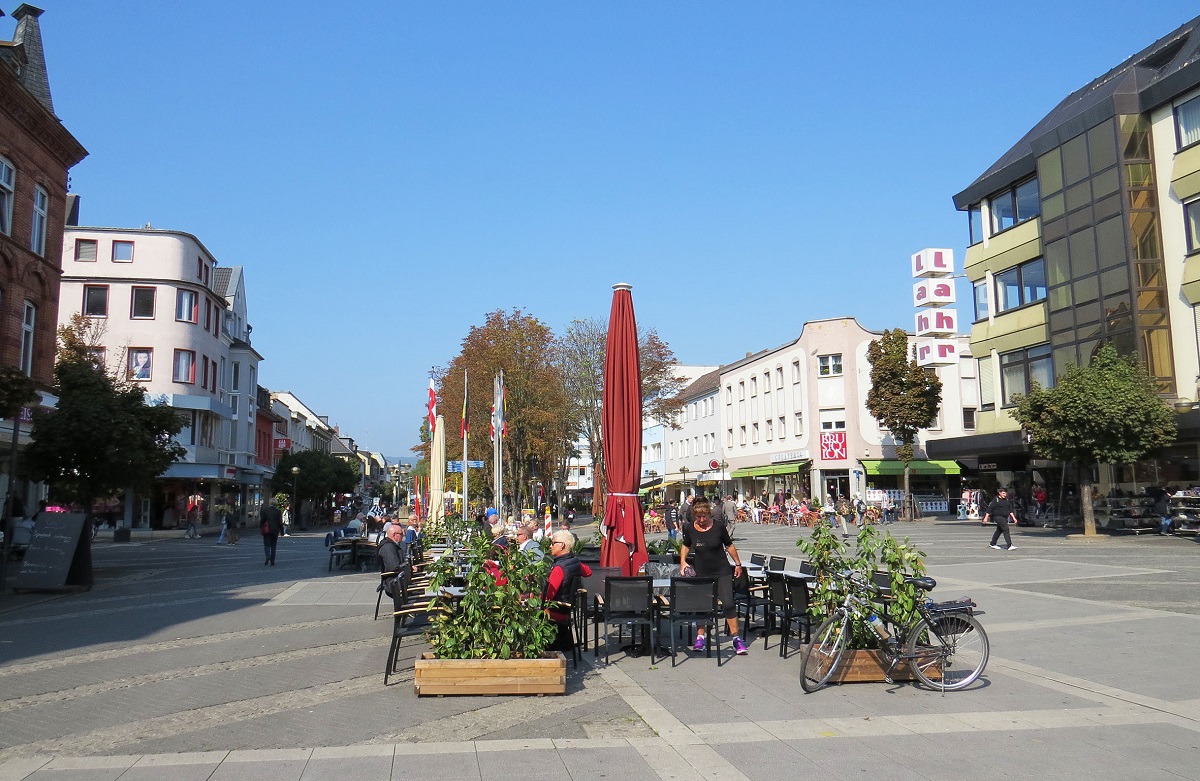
(892, 466)
(767, 471)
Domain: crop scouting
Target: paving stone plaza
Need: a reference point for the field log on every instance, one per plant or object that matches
(194, 661)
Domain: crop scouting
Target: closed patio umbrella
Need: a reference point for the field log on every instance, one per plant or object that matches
(621, 418)
(437, 477)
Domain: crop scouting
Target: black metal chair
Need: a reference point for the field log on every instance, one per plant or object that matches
(758, 558)
(777, 563)
(628, 602)
(695, 602)
(587, 604)
(808, 568)
(796, 613)
(406, 615)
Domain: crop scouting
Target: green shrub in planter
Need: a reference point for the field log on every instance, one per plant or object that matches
(873, 552)
(491, 621)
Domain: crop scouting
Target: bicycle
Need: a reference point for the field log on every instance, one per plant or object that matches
(944, 644)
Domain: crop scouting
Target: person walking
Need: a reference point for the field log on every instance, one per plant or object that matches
(671, 518)
(272, 526)
(1001, 511)
(713, 548)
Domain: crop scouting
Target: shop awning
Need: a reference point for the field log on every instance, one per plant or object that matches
(894, 466)
(767, 471)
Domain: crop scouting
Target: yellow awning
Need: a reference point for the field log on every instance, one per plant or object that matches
(894, 466)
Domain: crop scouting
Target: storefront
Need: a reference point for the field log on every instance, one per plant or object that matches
(788, 478)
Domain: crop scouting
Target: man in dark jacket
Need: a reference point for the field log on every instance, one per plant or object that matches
(272, 526)
(392, 560)
(671, 517)
(1001, 511)
(562, 585)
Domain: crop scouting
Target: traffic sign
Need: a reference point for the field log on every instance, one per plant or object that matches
(475, 464)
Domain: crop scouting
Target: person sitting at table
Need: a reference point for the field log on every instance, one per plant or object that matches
(392, 559)
(711, 544)
(561, 586)
(492, 566)
(527, 544)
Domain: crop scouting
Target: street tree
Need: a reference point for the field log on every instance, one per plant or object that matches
(537, 410)
(1106, 413)
(321, 475)
(581, 362)
(102, 437)
(904, 397)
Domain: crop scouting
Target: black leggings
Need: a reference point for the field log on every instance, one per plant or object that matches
(1002, 528)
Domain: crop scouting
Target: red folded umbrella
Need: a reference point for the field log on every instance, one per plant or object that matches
(624, 541)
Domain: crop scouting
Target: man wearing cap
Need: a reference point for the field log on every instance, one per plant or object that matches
(1001, 511)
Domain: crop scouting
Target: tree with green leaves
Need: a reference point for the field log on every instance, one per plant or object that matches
(904, 397)
(1106, 413)
(581, 362)
(321, 475)
(103, 437)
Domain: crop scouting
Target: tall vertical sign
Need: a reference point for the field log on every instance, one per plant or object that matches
(933, 290)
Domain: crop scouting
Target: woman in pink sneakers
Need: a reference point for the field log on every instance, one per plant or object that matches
(710, 542)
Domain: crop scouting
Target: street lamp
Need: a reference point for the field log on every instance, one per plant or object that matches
(724, 466)
(295, 496)
(683, 470)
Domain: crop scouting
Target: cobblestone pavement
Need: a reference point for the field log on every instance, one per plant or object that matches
(192, 660)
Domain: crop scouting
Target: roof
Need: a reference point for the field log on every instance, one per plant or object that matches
(1153, 76)
(220, 280)
(702, 385)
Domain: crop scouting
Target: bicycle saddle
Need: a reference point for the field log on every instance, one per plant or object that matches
(925, 584)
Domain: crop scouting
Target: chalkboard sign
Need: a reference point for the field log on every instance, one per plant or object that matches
(59, 554)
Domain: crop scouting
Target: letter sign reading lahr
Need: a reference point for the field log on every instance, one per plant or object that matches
(937, 352)
(933, 263)
(933, 292)
(833, 446)
(937, 322)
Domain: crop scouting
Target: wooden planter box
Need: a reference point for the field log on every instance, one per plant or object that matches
(870, 666)
(433, 676)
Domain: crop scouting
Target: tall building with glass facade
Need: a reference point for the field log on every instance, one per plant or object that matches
(1087, 231)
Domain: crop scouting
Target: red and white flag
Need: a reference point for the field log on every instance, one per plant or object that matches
(432, 411)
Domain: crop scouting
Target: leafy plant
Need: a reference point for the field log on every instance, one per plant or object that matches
(873, 552)
(492, 620)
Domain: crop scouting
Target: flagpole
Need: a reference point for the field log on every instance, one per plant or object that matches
(466, 429)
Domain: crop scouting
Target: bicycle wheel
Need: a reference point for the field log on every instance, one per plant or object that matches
(954, 661)
(824, 653)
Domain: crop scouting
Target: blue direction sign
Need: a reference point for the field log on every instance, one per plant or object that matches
(475, 464)
(454, 466)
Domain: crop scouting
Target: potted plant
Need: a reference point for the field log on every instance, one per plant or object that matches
(493, 638)
(879, 557)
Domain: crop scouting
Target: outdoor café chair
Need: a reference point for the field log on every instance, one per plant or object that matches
(758, 558)
(587, 602)
(628, 601)
(695, 602)
(406, 615)
(777, 563)
(786, 606)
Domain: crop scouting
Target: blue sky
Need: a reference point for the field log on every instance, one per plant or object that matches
(387, 173)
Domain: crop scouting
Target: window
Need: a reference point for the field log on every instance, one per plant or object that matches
(1191, 219)
(1020, 285)
(743, 436)
(1021, 368)
(728, 395)
(741, 390)
(8, 188)
(795, 372)
(207, 314)
(981, 300)
(770, 430)
(98, 357)
(95, 300)
(185, 367)
(186, 306)
(204, 372)
(212, 380)
(799, 422)
(829, 365)
(729, 437)
(778, 378)
(122, 252)
(968, 419)
(200, 268)
(782, 428)
(236, 374)
(141, 364)
(41, 218)
(833, 420)
(85, 250)
(1013, 207)
(1187, 122)
(975, 223)
(28, 328)
(754, 434)
(753, 386)
(141, 305)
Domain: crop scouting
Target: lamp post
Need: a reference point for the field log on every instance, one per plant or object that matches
(295, 496)
(683, 470)
(724, 466)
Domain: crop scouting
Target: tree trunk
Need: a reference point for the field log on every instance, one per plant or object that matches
(908, 497)
(1085, 500)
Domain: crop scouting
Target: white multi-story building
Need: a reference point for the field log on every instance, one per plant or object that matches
(177, 324)
(693, 455)
(794, 419)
